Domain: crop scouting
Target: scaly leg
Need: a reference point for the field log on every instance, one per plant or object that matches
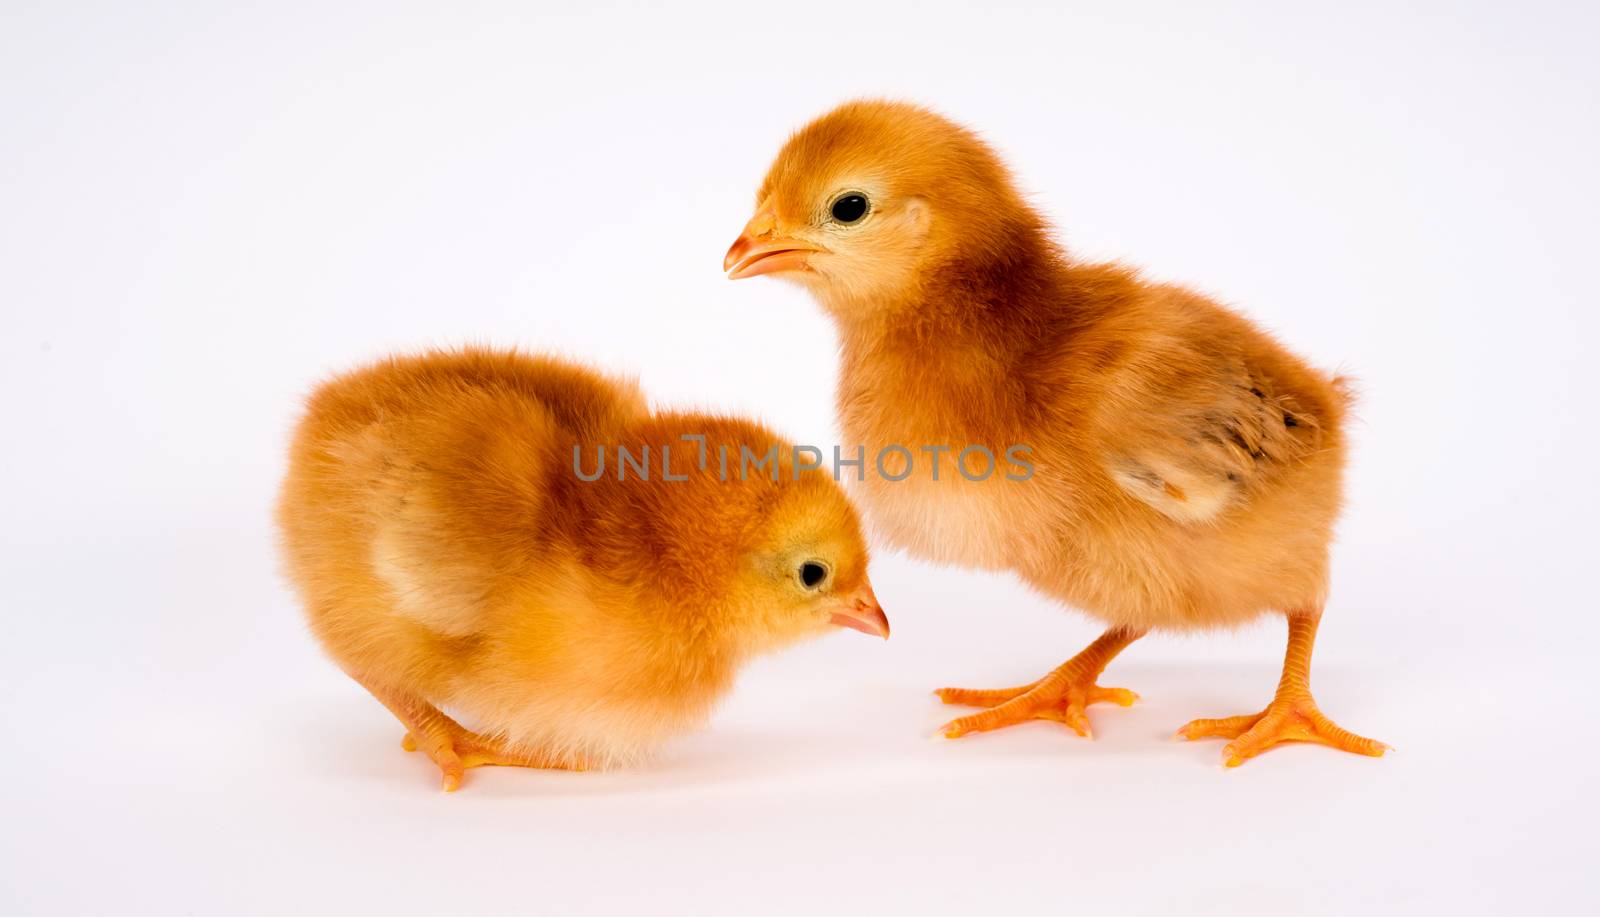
(451, 746)
(1291, 717)
(1061, 696)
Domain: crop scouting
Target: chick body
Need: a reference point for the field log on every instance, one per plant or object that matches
(1167, 489)
(449, 553)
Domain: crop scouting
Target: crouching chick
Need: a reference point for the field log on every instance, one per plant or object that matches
(457, 542)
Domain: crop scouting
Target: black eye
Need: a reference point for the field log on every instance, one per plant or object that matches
(849, 208)
(812, 574)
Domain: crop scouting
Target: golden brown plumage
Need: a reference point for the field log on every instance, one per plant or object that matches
(1188, 467)
(449, 553)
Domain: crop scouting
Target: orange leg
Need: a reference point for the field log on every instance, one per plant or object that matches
(1061, 696)
(451, 746)
(1291, 717)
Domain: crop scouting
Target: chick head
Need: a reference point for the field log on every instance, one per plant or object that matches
(762, 554)
(805, 565)
(866, 199)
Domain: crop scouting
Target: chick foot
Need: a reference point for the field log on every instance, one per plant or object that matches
(1287, 720)
(453, 747)
(1063, 696)
(1291, 717)
(461, 748)
(1010, 706)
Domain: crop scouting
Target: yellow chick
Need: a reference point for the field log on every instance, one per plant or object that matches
(523, 541)
(1166, 463)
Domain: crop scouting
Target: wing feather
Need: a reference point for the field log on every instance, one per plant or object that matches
(1194, 434)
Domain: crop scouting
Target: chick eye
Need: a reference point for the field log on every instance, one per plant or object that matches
(850, 207)
(812, 574)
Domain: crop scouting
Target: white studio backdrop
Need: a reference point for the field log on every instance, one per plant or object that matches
(205, 208)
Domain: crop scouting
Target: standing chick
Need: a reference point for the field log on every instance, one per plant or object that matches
(1187, 466)
(450, 553)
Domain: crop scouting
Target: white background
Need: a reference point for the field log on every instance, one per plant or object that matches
(204, 211)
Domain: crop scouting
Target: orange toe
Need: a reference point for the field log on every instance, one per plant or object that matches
(1230, 727)
(981, 697)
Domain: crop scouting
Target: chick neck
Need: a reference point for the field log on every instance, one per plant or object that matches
(973, 320)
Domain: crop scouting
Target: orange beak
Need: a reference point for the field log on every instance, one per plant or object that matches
(761, 250)
(860, 611)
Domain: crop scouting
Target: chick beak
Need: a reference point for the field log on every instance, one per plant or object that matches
(860, 611)
(760, 249)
